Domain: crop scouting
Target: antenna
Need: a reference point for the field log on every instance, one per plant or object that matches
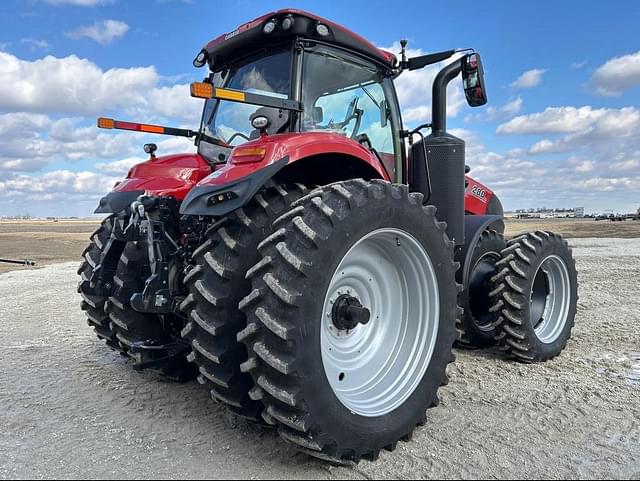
(403, 44)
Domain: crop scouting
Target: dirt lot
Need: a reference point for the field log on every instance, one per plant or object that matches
(48, 242)
(70, 408)
(572, 228)
(45, 242)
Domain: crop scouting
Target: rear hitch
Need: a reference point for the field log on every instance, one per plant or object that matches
(149, 355)
(156, 297)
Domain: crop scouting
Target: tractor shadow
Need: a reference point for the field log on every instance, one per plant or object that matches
(490, 354)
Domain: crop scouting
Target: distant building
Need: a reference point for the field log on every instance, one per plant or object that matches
(579, 212)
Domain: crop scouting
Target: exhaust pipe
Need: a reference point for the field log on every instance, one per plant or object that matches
(439, 97)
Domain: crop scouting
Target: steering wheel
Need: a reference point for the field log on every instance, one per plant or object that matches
(237, 134)
(353, 112)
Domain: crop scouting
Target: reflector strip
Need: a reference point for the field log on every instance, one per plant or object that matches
(153, 129)
(227, 94)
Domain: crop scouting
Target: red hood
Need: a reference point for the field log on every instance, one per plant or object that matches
(169, 175)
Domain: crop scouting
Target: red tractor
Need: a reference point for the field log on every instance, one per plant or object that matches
(315, 261)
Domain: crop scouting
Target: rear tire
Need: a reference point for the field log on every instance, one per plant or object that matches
(477, 328)
(289, 333)
(132, 327)
(92, 305)
(217, 284)
(535, 294)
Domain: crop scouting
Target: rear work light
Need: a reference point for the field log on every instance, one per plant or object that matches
(242, 155)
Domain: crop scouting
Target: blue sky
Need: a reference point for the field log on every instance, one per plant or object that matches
(562, 127)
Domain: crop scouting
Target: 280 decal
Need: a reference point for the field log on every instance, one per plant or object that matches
(479, 192)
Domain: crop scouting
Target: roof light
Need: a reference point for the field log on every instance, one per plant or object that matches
(287, 22)
(322, 29)
(269, 27)
(201, 59)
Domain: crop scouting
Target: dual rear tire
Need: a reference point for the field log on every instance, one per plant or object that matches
(339, 389)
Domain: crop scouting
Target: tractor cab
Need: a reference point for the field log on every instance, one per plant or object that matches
(336, 82)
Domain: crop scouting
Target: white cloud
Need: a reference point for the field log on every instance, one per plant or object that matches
(513, 106)
(36, 44)
(578, 65)
(30, 142)
(118, 168)
(103, 32)
(79, 3)
(601, 154)
(493, 114)
(79, 87)
(617, 75)
(573, 119)
(529, 79)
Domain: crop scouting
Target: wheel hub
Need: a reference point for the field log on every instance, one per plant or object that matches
(380, 324)
(348, 312)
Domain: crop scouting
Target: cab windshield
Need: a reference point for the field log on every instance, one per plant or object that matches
(226, 124)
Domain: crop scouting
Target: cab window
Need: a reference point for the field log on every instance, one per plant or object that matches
(344, 94)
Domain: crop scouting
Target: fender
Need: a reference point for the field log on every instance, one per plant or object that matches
(480, 199)
(233, 185)
(474, 226)
(167, 176)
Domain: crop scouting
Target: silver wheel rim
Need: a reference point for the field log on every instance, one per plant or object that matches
(374, 368)
(552, 278)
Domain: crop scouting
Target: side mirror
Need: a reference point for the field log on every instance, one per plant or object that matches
(473, 80)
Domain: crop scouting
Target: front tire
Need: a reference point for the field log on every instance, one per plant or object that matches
(376, 244)
(535, 294)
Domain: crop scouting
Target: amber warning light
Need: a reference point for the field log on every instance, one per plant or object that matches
(202, 90)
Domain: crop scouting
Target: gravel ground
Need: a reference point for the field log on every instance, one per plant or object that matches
(70, 408)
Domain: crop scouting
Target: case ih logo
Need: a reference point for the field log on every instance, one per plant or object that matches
(232, 34)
